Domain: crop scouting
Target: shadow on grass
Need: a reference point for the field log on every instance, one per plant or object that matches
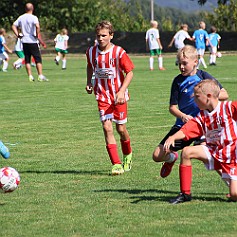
(76, 172)
(168, 195)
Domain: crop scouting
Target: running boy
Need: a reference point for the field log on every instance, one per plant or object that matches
(154, 45)
(217, 121)
(109, 62)
(182, 105)
(201, 38)
(178, 39)
(3, 50)
(214, 45)
(61, 46)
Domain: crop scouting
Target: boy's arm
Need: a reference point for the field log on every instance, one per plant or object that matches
(223, 95)
(159, 43)
(171, 43)
(178, 114)
(120, 97)
(171, 140)
(89, 72)
(7, 49)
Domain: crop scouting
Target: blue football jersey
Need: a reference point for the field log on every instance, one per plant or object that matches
(182, 93)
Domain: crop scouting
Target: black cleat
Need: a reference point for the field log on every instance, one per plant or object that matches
(182, 197)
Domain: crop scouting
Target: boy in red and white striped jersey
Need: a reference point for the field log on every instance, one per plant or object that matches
(218, 122)
(112, 70)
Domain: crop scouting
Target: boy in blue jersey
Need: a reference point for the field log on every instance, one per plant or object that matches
(214, 45)
(201, 38)
(182, 105)
(3, 50)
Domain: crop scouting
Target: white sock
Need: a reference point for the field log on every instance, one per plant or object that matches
(151, 61)
(171, 158)
(203, 62)
(214, 58)
(5, 65)
(64, 62)
(57, 58)
(160, 62)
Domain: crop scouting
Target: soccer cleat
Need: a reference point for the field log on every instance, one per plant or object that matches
(127, 162)
(162, 69)
(4, 151)
(4, 70)
(31, 78)
(64, 68)
(56, 61)
(117, 169)
(42, 78)
(167, 167)
(182, 197)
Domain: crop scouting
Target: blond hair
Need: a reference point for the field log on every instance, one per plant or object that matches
(188, 51)
(208, 86)
(153, 23)
(64, 31)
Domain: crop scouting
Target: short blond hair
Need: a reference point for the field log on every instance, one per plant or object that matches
(188, 51)
(208, 86)
(153, 23)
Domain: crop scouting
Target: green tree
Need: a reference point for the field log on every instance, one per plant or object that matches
(225, 17)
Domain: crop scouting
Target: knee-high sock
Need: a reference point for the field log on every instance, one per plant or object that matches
(126, 147)
(113, 153)
(185, 176)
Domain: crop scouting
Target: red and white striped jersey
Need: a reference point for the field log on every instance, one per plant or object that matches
(109, 68)
(219, 128)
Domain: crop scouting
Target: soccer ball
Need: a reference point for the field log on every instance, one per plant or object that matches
(9, 179)
(218, 54)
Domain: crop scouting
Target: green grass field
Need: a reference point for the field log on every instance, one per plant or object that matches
(57, 145)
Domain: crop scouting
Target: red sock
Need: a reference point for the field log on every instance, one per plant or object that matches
(185, 176)
(126, 147)
(113, 154)
(23, 61)
(33, 60)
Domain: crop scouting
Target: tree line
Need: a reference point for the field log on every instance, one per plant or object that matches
(126, 15)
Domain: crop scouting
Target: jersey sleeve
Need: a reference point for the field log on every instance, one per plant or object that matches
(88, 58)
(174, 92)
(125, 63)
(234, 110)
(205, 75)
(192, 129)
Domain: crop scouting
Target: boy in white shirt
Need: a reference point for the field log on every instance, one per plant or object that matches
(154, 45)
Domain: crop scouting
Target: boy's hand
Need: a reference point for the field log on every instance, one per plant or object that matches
(120, 98)
(168, 143)
(89, 88)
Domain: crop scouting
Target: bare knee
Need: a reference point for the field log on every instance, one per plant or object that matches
(158, 154)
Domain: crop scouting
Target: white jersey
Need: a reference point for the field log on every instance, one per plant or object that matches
(60, 41)
(26, 23)
(151, 37)
(18, 45)
(179, 38)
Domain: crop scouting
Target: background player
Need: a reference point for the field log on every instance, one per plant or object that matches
(179, 37)
(61, 47)
(214, 45)
(201, 38)
(153, 44)
(3, 50)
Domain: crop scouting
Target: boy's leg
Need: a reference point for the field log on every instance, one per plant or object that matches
(151, 62)
(185, 171)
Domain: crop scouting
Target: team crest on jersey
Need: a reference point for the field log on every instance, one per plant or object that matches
(111, 61)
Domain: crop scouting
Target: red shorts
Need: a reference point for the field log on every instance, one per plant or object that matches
(115, 112)
(229, 171)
